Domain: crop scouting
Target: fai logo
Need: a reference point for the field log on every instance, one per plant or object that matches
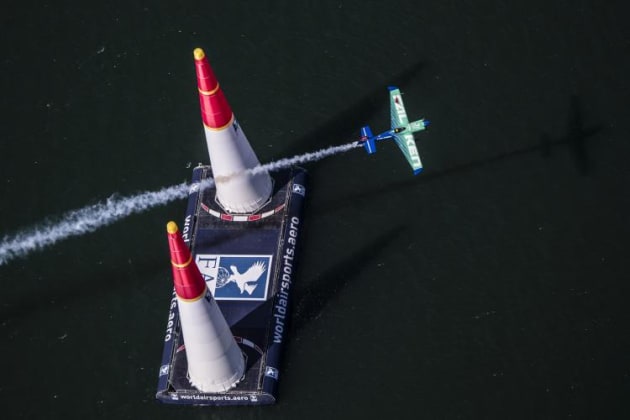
(236, 277)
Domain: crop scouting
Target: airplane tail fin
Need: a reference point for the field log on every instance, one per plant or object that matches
(368, 140)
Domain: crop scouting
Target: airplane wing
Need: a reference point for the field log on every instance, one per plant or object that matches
(404, 139)
(407, 145)
(399, 114)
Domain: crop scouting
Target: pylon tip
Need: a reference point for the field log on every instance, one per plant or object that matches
(199, 54)
(171, 227)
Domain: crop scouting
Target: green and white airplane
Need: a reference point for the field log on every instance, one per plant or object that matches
(401, 131)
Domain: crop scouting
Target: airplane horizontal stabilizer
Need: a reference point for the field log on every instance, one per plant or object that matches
(368, 140)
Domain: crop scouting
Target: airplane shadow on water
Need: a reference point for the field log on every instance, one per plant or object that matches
(347, 123)
(575, 139)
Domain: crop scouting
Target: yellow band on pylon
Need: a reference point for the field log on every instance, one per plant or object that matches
(223, 127)
(186, 264)
(209, 92)
(195, 299)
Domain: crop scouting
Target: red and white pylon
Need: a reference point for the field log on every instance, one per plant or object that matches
(230, 152)
(215, 362)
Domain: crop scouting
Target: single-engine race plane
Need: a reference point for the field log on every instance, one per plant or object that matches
(401, 131)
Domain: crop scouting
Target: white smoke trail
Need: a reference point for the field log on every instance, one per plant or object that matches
(306, 157)
(90, 218)
(85, 220)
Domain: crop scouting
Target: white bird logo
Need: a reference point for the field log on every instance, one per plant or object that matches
(247, 281)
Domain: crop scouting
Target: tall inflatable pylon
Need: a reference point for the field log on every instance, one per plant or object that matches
(215, 362)
(231, 155)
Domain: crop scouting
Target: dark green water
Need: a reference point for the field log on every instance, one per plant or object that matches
(492, 286)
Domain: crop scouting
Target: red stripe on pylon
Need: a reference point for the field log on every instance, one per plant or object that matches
(188, 281)
(215, 110)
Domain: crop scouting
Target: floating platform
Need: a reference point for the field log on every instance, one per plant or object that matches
(231, 250)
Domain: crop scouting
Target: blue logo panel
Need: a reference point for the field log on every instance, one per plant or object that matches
(236, 277)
